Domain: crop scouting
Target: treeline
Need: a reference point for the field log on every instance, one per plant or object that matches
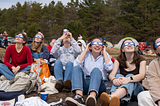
(112, 19)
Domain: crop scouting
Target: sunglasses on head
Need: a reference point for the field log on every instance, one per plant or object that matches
(157, 44)
(128, 43)
(37, 36)
(20, 36)
(95, 43)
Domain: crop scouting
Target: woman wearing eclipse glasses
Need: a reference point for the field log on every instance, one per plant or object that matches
(132, 71)
(89, 72)
(20, 56)
(38, 49)
(65, 56)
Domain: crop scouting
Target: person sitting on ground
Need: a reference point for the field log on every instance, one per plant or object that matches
(38, 49)
(89, 74)
(152, 97)
(52, 59)
(132, 71)
(50, 45)
(82, 45)
(20, 55)
(65, 56)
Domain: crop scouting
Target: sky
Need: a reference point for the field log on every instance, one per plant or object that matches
(8, 3)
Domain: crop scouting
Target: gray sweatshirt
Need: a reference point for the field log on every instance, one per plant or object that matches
(65, 54)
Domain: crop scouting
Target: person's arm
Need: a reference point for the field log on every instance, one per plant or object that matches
(55, 51)
(142, 72)
(45, 54)
(7, 57)
(81, 57)
(76, 47)
(154, 80)
(138, 77)
(112, 75)
(106, 57)
(79, 60)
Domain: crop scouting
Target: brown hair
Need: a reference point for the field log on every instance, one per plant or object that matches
(122, 58)
(33, 47)
(25, 37)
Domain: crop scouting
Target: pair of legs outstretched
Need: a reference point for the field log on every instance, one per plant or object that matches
(93, 85)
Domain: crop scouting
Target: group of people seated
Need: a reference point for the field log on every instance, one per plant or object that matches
(82, 69)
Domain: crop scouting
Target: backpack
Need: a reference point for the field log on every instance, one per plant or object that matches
(24, 82)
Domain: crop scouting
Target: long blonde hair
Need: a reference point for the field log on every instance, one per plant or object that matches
(33, 47)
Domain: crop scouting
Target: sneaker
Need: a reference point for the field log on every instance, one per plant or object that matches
(91, 100)
(114, 101)
(104, 99)
(76, 101)
(59, 85)
(67, 86)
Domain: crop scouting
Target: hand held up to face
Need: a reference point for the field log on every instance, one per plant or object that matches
(66, 35)
(88, 47)
(104, 49)
(69, 35)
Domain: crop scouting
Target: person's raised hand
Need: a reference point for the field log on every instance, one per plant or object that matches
(63, 36)
(104, 49)
(69, 34)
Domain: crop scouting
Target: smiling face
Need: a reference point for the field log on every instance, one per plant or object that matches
(128, 48)
(96, 48)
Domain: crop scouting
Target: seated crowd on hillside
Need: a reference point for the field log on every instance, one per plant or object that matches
(83, 69)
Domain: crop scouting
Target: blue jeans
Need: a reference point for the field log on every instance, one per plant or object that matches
(133, 88)
(94, 82)
(8, 73)
(60, 73)
(36, 55)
